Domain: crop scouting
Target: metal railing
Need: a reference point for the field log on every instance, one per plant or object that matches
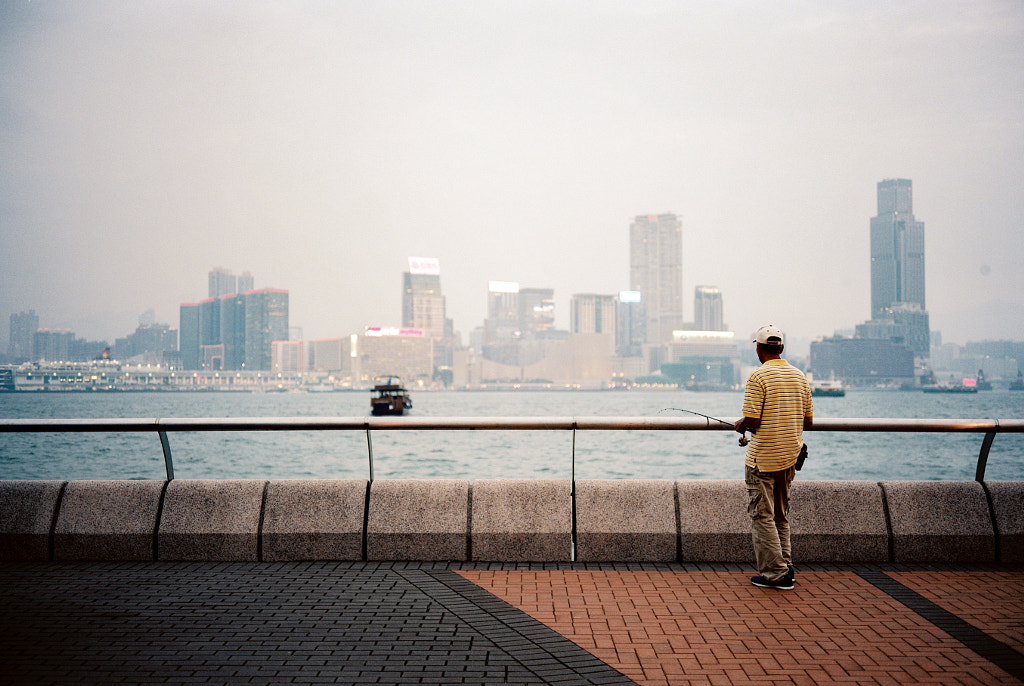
(988, 427)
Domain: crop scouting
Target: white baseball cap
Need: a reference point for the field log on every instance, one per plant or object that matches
(766, 333)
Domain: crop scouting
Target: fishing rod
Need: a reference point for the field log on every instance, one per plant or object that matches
(743, 439)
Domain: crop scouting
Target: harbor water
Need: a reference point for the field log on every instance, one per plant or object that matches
(480, 454)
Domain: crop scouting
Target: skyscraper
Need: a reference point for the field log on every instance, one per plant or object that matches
(707, 309)
(630, 324)
(656, 270)
(266, 321)
(189, 336)
(22, 332)
(423, 306)
(232, 330)
(897, 250)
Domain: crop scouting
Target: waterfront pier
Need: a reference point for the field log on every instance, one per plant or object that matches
(505, 581)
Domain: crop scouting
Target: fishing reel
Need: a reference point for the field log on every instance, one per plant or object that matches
(744, 441)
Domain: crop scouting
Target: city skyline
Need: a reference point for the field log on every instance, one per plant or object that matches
(423, 297)
(319, 146)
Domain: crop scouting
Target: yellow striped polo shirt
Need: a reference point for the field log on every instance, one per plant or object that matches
(778, 394)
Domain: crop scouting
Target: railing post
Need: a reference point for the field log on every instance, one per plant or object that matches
(986, 445)
(168, 462)
(572, 495)
(369, 450)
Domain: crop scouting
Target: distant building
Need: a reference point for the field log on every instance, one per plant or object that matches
(213, 357)
(918, 326)
(423, 305)
(703, 359)
(222, 282)
(536, 311)
(591, 313)
(24, 325)
(863, 361)
(188, 336)
(52, 346)
(150, 340)
(897, 250)
(232, 329)
(288, 356)
(245, 283)
(630, 327)
(382, 351)
(502, 323)
(656, 270)
(329, 355)
(708, 312)
(898, 313)
(209, 321)
(266, 321)
(999, 361)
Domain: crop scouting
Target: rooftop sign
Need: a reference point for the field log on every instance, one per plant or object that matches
(424, 265)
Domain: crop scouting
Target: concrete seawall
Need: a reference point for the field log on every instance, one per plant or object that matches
(502, 520)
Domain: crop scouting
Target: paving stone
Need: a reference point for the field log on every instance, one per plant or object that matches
(357, 622)
(230, 623)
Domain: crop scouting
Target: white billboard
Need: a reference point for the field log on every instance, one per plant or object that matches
(424, 265)
(503, 286)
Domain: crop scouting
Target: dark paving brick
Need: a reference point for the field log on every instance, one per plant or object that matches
(224, 623)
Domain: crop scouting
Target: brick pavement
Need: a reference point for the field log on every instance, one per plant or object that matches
(714, 627)
(343, 622)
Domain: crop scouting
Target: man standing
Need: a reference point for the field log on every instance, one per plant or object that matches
(776, 410)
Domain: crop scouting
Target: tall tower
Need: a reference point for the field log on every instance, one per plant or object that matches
(707, 309)
(422, 302)
(23, 330)
(897, 250)
(656, 270)
(630, 324)
(189, 336)
(266, 321)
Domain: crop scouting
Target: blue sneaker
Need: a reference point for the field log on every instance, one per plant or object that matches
(791, 574)
(783, 584)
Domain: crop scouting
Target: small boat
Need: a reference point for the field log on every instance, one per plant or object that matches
(389, 398)
(1018, 385)
(981, 382)
(827, 389)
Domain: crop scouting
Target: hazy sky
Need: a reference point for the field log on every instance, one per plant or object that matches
(318, 145)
